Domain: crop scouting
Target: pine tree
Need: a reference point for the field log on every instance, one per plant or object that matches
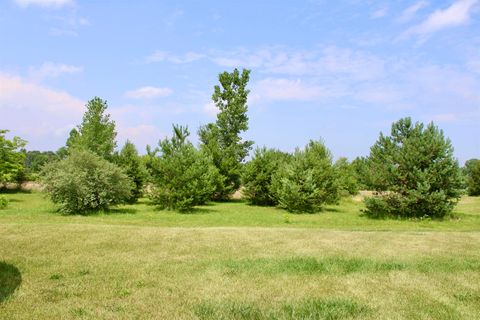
(415, 165)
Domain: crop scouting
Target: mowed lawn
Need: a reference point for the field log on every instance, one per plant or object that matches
(235, 261)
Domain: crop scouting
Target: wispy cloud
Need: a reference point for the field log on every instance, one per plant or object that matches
(275, 89)
(410, 12)
(43, 3)
(53, 70)
(45, 112)
(379, 13)
(456, 14)
(210, 108)
(148, 92)
(160, 56)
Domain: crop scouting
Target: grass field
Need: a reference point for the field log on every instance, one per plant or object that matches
(234, 261)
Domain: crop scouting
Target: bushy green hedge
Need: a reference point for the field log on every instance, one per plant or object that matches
(85, 182)
(415, 165)
(307, 181)
(258, 173)
(182, 176)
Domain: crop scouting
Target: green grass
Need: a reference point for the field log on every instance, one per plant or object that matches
(234, 261)
(34, 208)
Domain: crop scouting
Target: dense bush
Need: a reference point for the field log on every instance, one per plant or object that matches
(3, 202)
(131, 163)
(346, 177)
(472, 173)
(415, 165)
(182, 176)
(258, 173)
(85, 182)
(307, 181)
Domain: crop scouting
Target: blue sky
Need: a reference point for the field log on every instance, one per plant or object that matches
(338, 70)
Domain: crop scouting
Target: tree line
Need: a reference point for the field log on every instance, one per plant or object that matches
(412, 170)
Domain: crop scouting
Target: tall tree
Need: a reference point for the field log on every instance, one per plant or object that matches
(222, 140)
(11, 157)
(97, 132)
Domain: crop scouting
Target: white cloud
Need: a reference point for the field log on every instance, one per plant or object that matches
(327, 61)
(160, 56)
(211, 109)
(444, 117)
(455, 15)
(53, 70)
(37, 113)
(43, 3)
(474, 65)
(140, 135)
(148, 92)
(410, 12)
(285, 89)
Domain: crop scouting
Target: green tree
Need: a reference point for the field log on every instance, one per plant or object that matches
(182, 176)
(346, 177)
(96, 132)
(131, 163)
(363, 173)
(35, 160)
(11, 158)
(222, 140)
(258, 173)
(415, 165)
(472, 173)
(308, 181)
(85, 182)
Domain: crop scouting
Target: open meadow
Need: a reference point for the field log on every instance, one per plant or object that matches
(235, 261)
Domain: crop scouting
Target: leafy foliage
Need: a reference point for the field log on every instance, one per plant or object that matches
(346, 177)
(417, 168)
(34, 162)
(3, 202)
(307, 181)
(183, 176)
(85, 182)
(97, 132)
(363, 173)
(258, 173)
(221, 140)
(11, 157)
(131, 163)
(472, 172)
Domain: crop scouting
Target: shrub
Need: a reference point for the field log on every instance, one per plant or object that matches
(3, 202)
(182, 176)
(307, 181)
(85, 182)
(416, 166)
(258, 173)
(346, 177)
(472, 172)
(131, 163)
